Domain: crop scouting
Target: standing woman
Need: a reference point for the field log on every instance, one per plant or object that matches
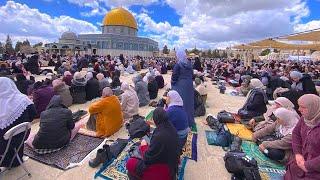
(16, 108)
(181, 81)
(305, 141)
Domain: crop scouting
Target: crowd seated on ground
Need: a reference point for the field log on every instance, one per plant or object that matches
(160, 156)
(107, 115)
(57, 128)
(289, 83)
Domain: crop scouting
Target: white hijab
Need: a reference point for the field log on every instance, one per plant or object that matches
(13, 103)
(175, 98)
(289, 119)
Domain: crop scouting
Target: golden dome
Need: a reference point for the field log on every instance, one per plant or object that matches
(119, 17)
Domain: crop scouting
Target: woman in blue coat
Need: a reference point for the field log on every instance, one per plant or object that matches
(181, 81)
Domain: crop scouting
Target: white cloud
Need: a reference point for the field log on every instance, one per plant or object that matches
(127, 3)
(208, 23)
(21, 21)
(315, 24)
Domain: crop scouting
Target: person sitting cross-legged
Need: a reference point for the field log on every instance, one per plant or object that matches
(57, 128)
(108, 116)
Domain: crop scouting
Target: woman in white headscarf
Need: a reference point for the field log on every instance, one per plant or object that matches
(256, 103)
(178, 116)
(181, 81)
(279, 146)
(15, 108)
(129, 101)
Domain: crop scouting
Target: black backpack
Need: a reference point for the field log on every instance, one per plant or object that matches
(225, 117)
(138, 128)
(241, 166)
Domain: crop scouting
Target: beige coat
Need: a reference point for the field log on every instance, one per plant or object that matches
(283, 143)
(129, 104)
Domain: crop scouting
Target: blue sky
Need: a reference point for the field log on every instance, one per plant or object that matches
(201, 23)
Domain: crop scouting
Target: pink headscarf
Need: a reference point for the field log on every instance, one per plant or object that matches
(312, 103)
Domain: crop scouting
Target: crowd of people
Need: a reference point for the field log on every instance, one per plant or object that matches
(285, 131)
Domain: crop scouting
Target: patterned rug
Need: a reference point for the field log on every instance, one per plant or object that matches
(117, 168)
(269, 170)
(190, 148)
(73, 153)
(240, 130)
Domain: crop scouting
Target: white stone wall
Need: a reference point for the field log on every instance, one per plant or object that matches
(120, 30)
(117, 52)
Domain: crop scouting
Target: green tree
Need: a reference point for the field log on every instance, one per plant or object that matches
(265, 52)
(18, 46)
(165, 50)
(8, 46)
(1, 48)
(26, 43)
(209, 53)
(38, 45)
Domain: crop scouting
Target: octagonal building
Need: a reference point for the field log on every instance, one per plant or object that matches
(119, 36)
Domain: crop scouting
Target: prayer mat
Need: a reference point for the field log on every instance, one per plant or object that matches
(69, 155)
(252, 150)
(271, 174)
(211, 137)
(190, 148)
(149, 115)
(240, 130)
(117, 168)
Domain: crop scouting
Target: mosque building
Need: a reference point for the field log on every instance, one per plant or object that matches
(119, 36)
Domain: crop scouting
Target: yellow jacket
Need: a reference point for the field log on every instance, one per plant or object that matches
(109, 115)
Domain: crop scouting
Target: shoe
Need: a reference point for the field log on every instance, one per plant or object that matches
(109, 154)
(101, 157)
(236, 144)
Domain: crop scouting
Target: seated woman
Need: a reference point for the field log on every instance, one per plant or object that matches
(202, 89)
(115, 80)
(160, 157)
(57, 128)
(141, 88)
(268, 118)
(60, 88)
(279, 146)
(22, 83)
(256, 103)
(199, 105)
(108, 114)
(159, 79)
(302, 83)
(152, 87)
(78, 88)
(305, 164)
(18, 109)
(67, 77)
(42, 96)
(178, 116)
(92, 87)
(129, 101)
(103, 82)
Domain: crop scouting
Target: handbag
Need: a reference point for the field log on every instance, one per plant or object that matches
(225, 117)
